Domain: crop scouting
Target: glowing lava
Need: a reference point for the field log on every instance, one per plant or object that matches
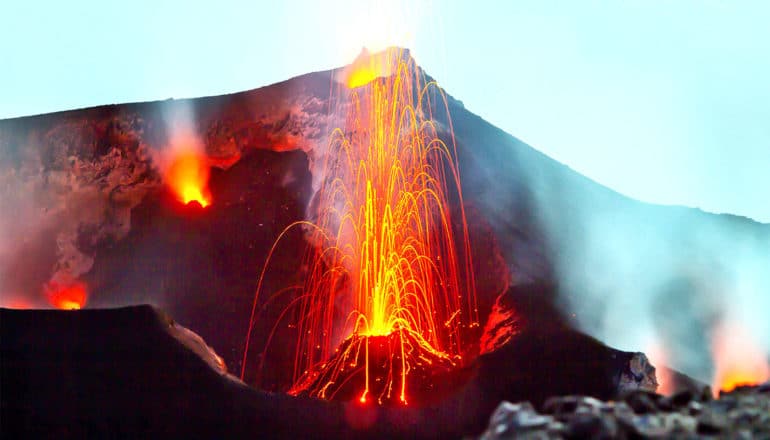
(659, 357)
(361, 76)
(66, 295)
(188, 177)
(16, 302)
(391, 265)
(739, 360)
(368, 67)
(379, 361)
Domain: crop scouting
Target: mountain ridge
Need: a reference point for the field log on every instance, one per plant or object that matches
(108, 110)
(79, 180)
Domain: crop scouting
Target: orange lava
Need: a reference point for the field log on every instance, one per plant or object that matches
(362, 75)
(392, 259)
(659, 358)
(67, 296)
(18, 303)
(375, 365)
(368, 67)
(502, 325)
(738, 358)
(188, 177)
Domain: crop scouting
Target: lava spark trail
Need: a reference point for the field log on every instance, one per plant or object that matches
(389, 298)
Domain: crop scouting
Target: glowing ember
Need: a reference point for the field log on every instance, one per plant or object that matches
(391, 262)
(739, 360)
(502, 325)
(188, 178)
(18, 303)
(362, 360)
(366, 68)
(659, 357)
(66, 295)
(362, 75)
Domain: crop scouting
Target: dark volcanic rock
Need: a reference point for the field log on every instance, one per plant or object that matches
(203, 265)
(134, 373)
(744, 413)
(640, 375)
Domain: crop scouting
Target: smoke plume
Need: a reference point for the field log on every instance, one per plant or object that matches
(640, 276)
(63, 190)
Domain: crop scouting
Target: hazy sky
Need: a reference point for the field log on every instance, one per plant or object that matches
(665, 101)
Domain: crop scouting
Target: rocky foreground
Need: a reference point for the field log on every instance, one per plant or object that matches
(134, 372)
(742, 413)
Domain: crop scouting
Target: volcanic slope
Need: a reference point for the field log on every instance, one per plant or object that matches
(87, 193)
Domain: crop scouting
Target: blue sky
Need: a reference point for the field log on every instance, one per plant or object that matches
(665, 101)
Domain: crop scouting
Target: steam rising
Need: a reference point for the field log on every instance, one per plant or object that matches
(58, 203)
(641, 276)
(183, 161)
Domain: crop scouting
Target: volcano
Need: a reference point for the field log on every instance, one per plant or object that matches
(95, 190)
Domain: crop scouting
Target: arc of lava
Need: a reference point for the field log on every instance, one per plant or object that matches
(390, 262)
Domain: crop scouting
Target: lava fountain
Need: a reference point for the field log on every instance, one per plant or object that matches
(184, 163)
(187, 176)
(388, 303)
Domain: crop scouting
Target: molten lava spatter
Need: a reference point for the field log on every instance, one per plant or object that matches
(69, 295)
(392, 264)
(367, 67)
(502, 325)
(188, 176)
(738, 359)
(375, 365)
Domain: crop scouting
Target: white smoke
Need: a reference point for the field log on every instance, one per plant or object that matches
(181, 133)
(58, 203)
(638, 276)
